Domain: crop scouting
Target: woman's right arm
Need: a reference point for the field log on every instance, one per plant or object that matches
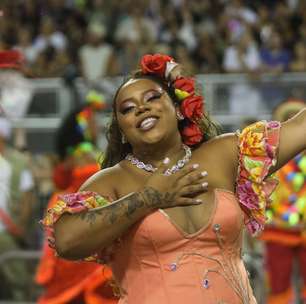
(81, 234)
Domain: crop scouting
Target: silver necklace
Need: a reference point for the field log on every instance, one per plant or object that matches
(148, 167)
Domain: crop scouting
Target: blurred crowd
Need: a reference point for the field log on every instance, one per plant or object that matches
(95, 38)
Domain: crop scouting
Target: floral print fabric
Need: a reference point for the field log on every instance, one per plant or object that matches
(72, 203)
(258, 145)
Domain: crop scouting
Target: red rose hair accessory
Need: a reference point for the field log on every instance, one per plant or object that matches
(192, 134)
(155, 64)
(11, 59)
(192, 108)
(191, 104)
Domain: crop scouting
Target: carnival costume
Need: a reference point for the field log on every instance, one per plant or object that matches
(67, 281)
(155, 261)
(284, 236)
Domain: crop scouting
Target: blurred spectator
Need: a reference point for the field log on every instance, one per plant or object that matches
(24, 44)
(169, 28)
(186, 32)
(136, 26)
(147, 25)
(16, 207)
(51, 63)
(275, 57)
(237, 17)
(128, 55)
(96, 56)
(15, 97)
(29, 13)
(243, 57)
(298, 63)
(49, 36)
(181, 54)
(207, 55)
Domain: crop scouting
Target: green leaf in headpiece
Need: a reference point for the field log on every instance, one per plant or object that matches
(181, 95)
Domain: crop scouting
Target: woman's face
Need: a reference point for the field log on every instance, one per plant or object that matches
(145, 113)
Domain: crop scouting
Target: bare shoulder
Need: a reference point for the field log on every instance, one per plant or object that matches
(220, 157)
(103, 182)
(225, 145)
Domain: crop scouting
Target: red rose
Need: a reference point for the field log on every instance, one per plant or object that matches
(185, 84)
(192, 134)
(155, 64)
(192, 107)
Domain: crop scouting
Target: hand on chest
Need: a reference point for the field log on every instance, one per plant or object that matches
(168, 231)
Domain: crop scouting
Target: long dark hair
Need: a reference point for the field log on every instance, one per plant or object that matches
(69, 135)
(116, 150)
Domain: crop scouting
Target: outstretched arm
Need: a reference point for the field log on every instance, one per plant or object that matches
(292, 139)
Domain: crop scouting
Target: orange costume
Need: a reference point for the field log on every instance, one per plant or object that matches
(156, 262)
(284, 236)
(73, 282)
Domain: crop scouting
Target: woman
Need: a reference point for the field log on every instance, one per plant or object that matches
(66, 281)
(170, 232)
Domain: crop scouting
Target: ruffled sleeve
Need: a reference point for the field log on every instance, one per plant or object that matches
(258, 146)
(73, 203)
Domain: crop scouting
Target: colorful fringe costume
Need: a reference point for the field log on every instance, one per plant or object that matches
(73, 282)
(285, 234)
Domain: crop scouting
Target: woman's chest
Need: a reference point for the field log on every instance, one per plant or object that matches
(162, 232)
(189, 218)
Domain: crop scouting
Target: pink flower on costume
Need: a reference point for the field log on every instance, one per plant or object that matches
(246, 195)
(258, 145)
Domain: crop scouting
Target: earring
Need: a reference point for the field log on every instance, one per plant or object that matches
(179, 115)
(123, 139)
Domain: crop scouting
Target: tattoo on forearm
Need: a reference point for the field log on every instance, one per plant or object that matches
(133, 204)
(128, 206)
(111, 213)
(155, 199)
(152, 197)
(90, 217)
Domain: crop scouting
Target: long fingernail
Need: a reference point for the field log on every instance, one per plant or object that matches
(166, 160)
(194, 166)
(198, 200)
(205, 184)
(204, 173)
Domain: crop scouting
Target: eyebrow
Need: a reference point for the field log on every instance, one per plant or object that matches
(145, 92)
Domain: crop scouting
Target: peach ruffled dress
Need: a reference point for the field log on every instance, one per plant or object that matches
(155, 262)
